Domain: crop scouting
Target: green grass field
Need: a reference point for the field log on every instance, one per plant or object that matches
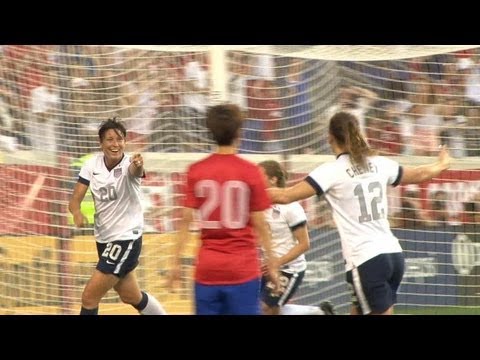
(448, 310)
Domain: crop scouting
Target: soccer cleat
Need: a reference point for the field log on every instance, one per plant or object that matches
(327, 308)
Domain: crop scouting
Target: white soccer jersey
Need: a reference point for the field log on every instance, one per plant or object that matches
(117, 198)
(282, 218)
(359, 204)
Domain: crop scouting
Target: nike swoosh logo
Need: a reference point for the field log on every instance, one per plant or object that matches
(96, 173)
(110, 263)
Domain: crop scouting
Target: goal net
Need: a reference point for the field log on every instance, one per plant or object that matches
(409, 100)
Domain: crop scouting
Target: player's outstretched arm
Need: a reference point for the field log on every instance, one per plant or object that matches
(136, 165)
(418, 174)
(299, 191)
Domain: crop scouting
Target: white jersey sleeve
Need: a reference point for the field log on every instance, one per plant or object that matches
(295, 215)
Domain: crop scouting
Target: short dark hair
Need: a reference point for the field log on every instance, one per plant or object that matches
(224, 121)
(112, 123)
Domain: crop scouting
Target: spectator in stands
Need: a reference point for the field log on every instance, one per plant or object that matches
(472, 137)
(438, 206)
(8, 141)
(239, 76)
(411, 215)
(453, 130)
(357, 100)
(472, 214)
(145, 112)
(114, 180)
(425, 117)
(44, 106)
(384, 132)
(195, 101)
(297, 107)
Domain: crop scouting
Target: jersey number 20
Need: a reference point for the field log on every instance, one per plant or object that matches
(231, 198)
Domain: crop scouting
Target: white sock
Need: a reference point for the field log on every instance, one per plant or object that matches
(153, 307)
(293, 309)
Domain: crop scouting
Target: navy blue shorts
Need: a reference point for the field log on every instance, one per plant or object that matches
(118, 257)
(374, 284)
(289, 284)
(238, 299)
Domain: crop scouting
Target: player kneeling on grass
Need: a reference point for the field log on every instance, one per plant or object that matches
(290, 241)
(114, 180)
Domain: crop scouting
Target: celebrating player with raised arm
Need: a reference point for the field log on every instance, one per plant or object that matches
(114, 179)
(355, 185)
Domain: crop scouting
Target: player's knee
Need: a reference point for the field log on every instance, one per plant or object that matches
(130, 298)
(88, 300)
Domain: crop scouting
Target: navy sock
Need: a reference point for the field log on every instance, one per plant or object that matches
(84, 311)
(143, 303)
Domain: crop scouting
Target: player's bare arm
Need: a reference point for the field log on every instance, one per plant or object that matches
(79, 192)
(418, 174)
(301, 234)
(182, 238)
(136, 165)
(261, 227)
(299, 191)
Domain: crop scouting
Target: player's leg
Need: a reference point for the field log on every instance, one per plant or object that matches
(371, 286)
(398, 261)
(123, 262)
(269, 301)
(95, 290)
(243, 299)
(274, 299)
(294, 309)
(355, 308)
(325, 308)
(102, 280)
(130, 293)
(209, 299)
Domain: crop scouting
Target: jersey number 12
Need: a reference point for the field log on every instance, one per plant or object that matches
(375, 213)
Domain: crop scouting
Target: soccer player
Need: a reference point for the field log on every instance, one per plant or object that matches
(114, 180)
(290, 241)
(355, 185)
(230, 196)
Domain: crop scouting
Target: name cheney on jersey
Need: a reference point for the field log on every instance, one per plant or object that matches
(356, 170)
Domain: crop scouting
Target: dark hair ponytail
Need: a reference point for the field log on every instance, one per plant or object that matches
(345, 129)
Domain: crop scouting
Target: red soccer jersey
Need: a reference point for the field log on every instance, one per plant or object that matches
(225, 189)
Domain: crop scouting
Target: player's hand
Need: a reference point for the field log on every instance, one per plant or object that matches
(137, 160)
(274, 194)
(173, 277)
(264, 269)
(444, 157)
(272, 266)
(79, 219)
